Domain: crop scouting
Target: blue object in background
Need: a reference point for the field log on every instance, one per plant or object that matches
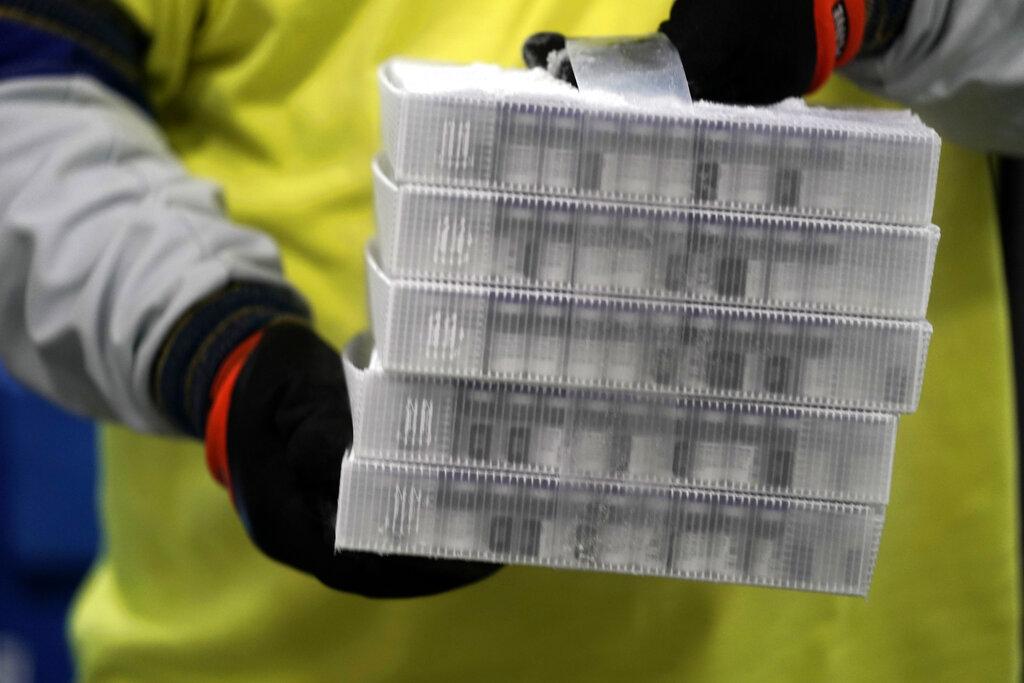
(48, 534)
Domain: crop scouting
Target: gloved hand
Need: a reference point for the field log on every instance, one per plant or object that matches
(277, 428)
(738, 51)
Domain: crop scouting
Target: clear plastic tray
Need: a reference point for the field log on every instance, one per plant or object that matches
(806, 452)
(740, 353)
(607, 526)
(683, 255)
(475, 126)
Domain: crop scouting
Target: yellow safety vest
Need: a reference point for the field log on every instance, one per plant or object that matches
(276, 100)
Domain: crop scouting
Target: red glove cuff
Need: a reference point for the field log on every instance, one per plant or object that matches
(220, 406)
(828, 15)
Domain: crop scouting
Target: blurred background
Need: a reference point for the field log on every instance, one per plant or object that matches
(48, 534)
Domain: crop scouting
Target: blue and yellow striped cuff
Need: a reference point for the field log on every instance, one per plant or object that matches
(203, 338)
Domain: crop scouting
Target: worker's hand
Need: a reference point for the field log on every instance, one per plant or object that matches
(278, 426)
(740, 51)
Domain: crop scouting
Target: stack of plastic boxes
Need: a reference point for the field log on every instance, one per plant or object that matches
(658, 344)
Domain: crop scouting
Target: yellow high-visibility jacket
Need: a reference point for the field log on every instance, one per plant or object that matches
(276, 101)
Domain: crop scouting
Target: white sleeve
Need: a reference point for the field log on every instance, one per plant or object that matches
(105, 242)
(960, 65)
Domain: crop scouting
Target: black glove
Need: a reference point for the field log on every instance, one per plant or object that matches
(738, 51)
(278, 426)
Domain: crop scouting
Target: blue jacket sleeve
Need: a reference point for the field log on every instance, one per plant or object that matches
(960, 65)
(122, 283)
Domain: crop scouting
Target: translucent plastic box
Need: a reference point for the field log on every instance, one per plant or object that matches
(741, 353)
(607, 526)
(790, 451)
(485, 127)
(674, 254)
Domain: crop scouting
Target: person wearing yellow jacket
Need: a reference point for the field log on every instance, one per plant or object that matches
(140, 139)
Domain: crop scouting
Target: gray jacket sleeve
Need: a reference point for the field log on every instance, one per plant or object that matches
(960, 65)
(105, 241)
